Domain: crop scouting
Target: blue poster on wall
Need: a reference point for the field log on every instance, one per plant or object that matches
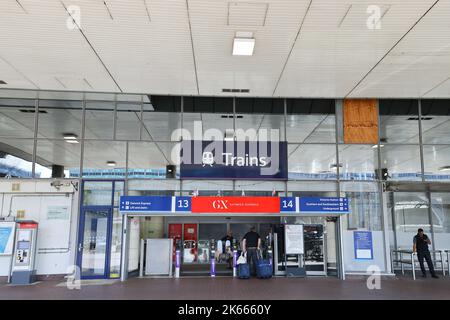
(5, 233)
(363, 245)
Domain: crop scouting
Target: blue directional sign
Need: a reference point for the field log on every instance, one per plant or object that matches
(145, 203)
(324, 205)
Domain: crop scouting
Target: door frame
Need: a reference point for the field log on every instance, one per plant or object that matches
(106, 273)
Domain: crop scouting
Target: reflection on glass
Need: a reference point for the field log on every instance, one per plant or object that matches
(358, 162)
(96, 193)
(410, 213)
(116, 241)
(399, 121)
(310, 120)
(307, 162)
(17, 118)
(440, 209)
(160, 126)
(436, 121)
(436, 162)
(104, 159)
(59, 153)
(148, 160)
(402, 162)
(118, 191)
(128, 123)
(364, 203)
(99, 122)
(17, 162)
(59, 118)
(94, 243)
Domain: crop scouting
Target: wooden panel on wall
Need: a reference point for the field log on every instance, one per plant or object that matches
(360, 121)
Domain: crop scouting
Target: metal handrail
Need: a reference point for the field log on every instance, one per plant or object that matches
(412, 262)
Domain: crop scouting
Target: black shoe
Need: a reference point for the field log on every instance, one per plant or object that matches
(424, 276)
(435, 276)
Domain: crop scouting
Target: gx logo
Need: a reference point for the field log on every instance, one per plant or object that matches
(220, 204)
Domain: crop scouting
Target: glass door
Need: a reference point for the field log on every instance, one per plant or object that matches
(94, 243)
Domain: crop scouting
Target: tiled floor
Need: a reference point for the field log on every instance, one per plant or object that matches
(229, 288)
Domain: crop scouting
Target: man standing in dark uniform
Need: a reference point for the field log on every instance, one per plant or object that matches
(252, 243)
(421, 242)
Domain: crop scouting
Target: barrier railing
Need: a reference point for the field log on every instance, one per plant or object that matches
(412, 261)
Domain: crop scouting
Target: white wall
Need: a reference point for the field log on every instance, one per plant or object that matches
(353, 265)
(133, 253)
(56, 242)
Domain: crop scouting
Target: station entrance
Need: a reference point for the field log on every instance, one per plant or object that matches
(197, 237)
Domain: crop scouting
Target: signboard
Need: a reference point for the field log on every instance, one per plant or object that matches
(261, 160)
(288, 204)
(324, 205)
(182, 204)
(57, 213)
(218, 204)
(293, 235)
(145, 203)
(235, 205)
(363, 245)
(6, 237)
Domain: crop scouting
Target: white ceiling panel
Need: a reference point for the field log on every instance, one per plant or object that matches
(39, 44)
(419, 66)
(213, 42)
(304, 48)
(146, 45)
(335, 47)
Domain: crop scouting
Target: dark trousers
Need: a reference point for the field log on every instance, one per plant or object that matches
(425, 254)
(252, 258)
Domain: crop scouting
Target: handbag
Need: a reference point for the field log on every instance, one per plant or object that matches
(242, 258)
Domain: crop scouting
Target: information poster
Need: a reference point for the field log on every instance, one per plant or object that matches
(363, 245)
(6, 237)
(57, 213)
(293, 235)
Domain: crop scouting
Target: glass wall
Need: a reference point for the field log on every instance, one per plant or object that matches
(133, 136)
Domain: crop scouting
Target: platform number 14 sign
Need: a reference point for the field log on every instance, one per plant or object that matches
(288, 204)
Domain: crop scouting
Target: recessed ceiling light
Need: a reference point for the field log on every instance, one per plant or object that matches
(243, 46)
(70, 136)
(444, 168)
(375, 146)
(72, 141)
(111, 163)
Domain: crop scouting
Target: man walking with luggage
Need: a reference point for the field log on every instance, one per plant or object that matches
(251, 244)
(421, 242)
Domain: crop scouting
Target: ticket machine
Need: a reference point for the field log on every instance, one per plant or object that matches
(23, 268)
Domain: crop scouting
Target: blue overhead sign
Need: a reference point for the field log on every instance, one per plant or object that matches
(324, 205)
(263, 160)
(183, 204)
(145, 203)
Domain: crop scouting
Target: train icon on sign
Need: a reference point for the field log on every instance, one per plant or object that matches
(207, 158)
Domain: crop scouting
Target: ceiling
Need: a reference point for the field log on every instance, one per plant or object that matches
(304, 48)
